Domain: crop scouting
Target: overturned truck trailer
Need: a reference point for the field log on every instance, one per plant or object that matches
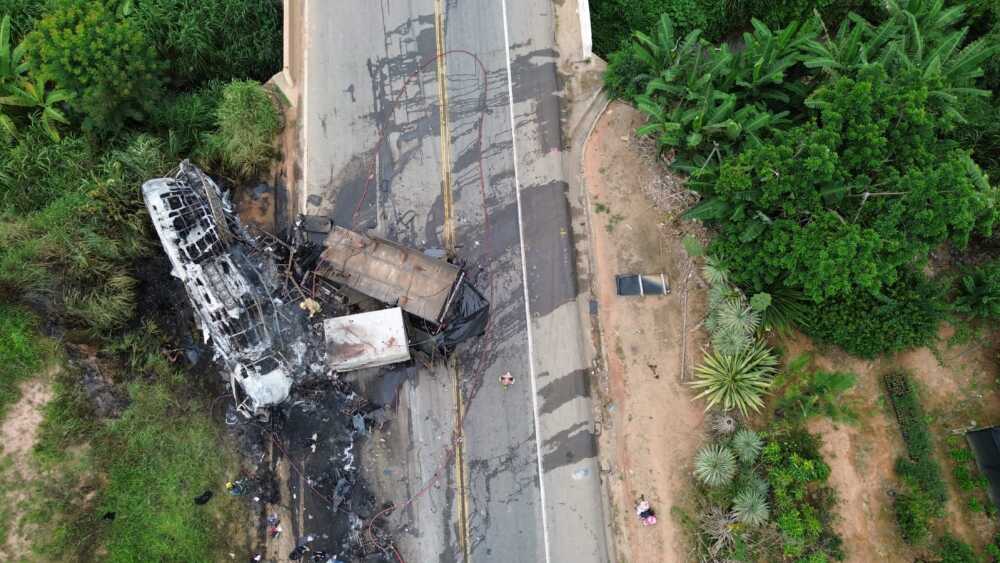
(442, 307)
(260, 334)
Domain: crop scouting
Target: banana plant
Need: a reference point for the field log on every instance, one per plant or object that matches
(35, 96)
(761, 67)
(664, 51)
(12, 68)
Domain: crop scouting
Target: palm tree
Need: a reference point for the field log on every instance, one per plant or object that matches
(736, 381)
(747, 444)
(715, 465)
(750, 507)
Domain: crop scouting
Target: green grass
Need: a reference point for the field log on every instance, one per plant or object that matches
(22, 353)
(146, 466)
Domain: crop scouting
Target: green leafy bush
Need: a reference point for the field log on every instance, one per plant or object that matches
(715, 465)
(803, 501)
(185, 119)
(709, 102)
(247, 122)
(905, 314)
(978, 291)
(750, 507)
(953, 550)
(614, 21)
(107, 63)
(814, 393)
(213, 39)
(23, 14)
(914, 513)
(747, 444)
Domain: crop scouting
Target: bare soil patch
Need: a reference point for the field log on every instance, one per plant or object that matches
(651, 428)
(19, 431)
(958, 391)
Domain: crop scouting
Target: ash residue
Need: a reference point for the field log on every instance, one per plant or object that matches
(303, 466)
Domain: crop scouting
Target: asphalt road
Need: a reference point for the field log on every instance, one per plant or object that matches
(524, 485)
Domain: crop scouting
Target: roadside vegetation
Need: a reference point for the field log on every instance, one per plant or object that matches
(844, 155)
(95, 98)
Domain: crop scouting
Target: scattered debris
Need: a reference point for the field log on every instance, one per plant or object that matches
(256, 296)
(286, 316)
(203, 498)
(645, 512)
(507, 379)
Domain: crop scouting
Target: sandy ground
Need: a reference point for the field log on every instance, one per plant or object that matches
(651, 428)
(17, 437)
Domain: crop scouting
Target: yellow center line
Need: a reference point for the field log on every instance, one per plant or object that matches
(449, 244)
(442, 74)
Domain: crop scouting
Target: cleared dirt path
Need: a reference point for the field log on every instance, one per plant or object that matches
(651, 426)
(17, 437)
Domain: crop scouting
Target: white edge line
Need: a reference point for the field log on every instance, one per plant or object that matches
(524, 281)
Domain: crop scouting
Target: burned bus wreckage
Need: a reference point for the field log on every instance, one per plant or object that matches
(277, 311)
(285, 317)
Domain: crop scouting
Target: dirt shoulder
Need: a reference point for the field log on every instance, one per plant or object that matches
(17, 438)
(651, 428)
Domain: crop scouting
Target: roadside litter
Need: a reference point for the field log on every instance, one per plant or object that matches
(506, 380)
(645, 512)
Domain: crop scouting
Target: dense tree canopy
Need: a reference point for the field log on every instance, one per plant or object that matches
(831, 160)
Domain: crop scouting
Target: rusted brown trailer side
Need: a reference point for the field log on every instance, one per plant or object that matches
(391, 273)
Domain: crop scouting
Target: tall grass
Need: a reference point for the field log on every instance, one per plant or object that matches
(247, 123)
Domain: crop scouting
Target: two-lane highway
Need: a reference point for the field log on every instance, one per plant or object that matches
(437, 122)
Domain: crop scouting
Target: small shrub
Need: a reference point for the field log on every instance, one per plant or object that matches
(802, 500)
(750, 507)
(23, 14)
(715, 465)
(906, 315)
(747, 445)
(185, 119)
(924, 491)
(106, 61)
(953, 550)
(913, 515)
(247, 122)
(627, 74)
(815, 393)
